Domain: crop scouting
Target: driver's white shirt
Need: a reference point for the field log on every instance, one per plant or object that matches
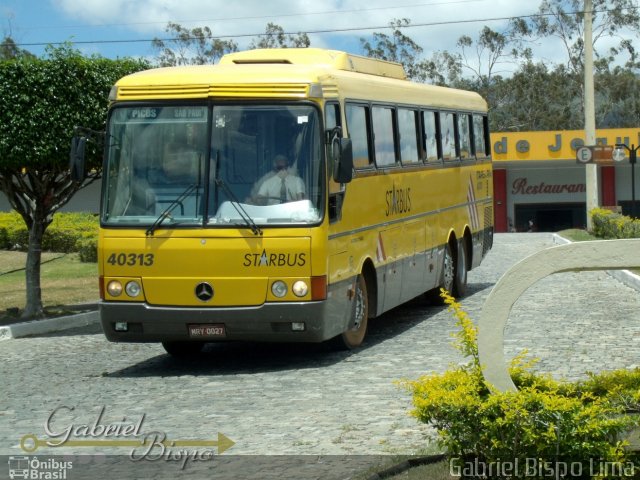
(272, 188)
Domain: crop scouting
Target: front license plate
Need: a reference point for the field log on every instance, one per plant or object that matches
(207, 330)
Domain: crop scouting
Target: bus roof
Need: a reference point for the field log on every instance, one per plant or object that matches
(289, 73)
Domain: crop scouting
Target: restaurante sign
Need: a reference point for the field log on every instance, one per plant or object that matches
(520, 186)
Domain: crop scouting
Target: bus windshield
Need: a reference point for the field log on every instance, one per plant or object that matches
(213, 165)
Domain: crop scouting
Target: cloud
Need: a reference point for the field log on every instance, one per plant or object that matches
(333, 20)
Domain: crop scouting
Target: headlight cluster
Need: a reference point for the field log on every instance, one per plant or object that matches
(132, 288)
(299, 288)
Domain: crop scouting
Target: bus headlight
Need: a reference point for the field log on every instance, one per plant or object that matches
(114, 288)
(279, 288)
(300, 288)
(133, 289)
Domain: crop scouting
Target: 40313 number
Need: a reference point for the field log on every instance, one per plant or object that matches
(131, 259)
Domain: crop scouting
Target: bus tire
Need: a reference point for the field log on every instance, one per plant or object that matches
(448, 270)
(183, 349)
(354, 336)
(447, 279)
(460, 284)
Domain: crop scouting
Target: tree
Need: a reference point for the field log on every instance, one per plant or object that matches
(398, 48)
(536, 98)
(274, 37)
(564, 20)
(191, 47)
(43, 100)
(617, 103)
(9, 50)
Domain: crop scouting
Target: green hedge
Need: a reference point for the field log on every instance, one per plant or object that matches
(608, 224)
(68, 233)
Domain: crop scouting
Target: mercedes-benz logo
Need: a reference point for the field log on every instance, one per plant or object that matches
(204, 291)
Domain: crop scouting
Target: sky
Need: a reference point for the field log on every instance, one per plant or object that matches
(121, 28)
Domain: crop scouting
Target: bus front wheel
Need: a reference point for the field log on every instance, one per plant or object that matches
(354, 336)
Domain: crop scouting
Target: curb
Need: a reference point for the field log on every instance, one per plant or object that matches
(38, 327)
(626, 277)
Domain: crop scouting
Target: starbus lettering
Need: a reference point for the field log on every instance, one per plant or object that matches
(398, 200)
(520, 186)
(266, 259)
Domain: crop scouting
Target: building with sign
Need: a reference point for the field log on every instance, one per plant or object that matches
(537, 179)
(539, 184)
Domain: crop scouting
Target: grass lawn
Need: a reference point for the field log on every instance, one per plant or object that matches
(65, 282)
(577, 235)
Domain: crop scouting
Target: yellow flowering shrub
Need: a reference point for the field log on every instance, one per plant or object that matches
(610, 225)
(547, 420)
(68, 232)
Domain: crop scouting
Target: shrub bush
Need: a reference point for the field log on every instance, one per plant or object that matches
(87, 247)
(17, 235)
(609, 225)
(553, 423)
(68, 232)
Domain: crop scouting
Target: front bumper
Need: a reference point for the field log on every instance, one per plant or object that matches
(270, 322)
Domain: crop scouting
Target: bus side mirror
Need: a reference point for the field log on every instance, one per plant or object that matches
(77, 158)
(342, 153)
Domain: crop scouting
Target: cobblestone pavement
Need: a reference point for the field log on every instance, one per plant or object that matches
(305, 400)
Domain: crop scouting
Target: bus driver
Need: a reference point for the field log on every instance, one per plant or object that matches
(282, 186)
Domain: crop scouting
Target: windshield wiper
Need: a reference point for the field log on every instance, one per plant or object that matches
(167, 211)
(241, 211)
(234, 200)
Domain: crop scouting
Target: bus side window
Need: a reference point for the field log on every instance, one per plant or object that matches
(408, 133)
(464, 136)
(447, 136)
(331, 120)
(479, 136)
(357, 123)
(383, 137)
(430, 140)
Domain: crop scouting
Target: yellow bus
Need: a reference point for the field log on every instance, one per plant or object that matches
(285, 195)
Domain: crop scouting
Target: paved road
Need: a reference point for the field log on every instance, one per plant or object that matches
(304, 400)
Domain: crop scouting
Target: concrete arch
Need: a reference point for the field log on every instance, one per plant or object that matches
(573, 257)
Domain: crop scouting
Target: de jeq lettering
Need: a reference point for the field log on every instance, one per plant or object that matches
(523, 146)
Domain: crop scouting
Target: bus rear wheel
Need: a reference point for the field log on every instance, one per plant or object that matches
(183, 349)
(353, 337)
(448, 270)
(447, 279)
(460, 285)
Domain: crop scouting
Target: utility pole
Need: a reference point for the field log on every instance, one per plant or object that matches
(589, 111)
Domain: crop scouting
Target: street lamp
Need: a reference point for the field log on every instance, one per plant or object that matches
(618, 156)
